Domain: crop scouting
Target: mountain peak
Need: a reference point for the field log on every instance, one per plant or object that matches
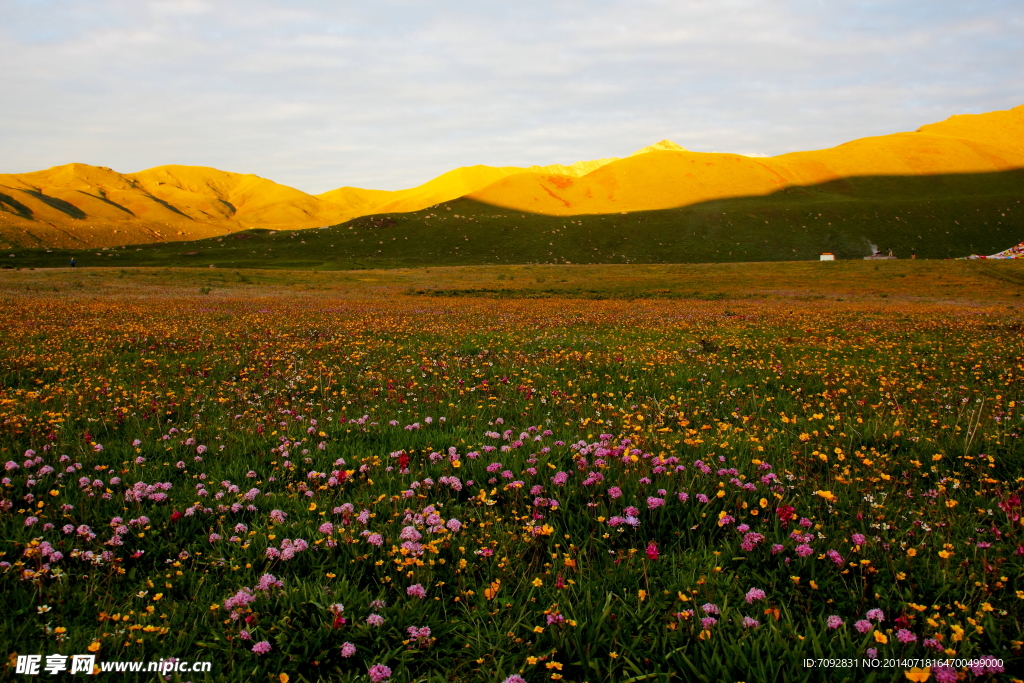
(663, 146)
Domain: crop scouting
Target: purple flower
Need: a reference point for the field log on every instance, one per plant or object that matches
(986, 665)
(379, 673)
(261, 648)
(834, 622)
(348, 649)
(905, 636)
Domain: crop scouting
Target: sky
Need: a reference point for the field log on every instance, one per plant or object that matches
(390, 93)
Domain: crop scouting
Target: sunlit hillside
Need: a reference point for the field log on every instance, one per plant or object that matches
(82, 206)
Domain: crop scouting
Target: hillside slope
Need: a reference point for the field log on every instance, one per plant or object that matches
(663, 179)
(930, 217)
(82, 206)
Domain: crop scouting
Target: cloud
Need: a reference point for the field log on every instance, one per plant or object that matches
(388, 94)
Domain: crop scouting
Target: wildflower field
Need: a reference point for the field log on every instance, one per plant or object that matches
(320, 478)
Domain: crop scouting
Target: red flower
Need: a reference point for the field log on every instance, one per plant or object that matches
(652, 551)
(339, 621)
(785, 513)
(175, 516)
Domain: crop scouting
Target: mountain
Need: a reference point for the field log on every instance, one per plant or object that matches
(665, 177)
(82, 206)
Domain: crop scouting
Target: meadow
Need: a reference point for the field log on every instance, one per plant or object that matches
(515, 473)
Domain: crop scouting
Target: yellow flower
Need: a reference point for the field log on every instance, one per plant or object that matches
(613, 655)
(157, 596)
(554, 665)
(827, 495)
(918, 674)
(312, 506)
(813, 584)
(537, 583)
(945, 554)
(881, 637)
(911, 552)
(538, 629)
(531, 660)
(795, 580)
(94, 646)
(642, 594)
(283, 678)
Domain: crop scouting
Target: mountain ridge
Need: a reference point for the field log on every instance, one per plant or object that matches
(78, 205)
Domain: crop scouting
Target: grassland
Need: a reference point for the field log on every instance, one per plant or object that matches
(932, 217)
(599, 473)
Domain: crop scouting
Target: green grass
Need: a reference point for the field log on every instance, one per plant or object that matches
(934, 217)
(907, 410)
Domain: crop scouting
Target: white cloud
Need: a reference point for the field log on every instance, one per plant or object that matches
(388, 94)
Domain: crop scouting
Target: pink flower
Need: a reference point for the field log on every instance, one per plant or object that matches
(514, 678)
(754, 594)
(862, 626)
(652, 551)
(905, 636)
(261, 648)
(348, 649)
(944, 673)
(834, 622)
(375, 620)
(876, 615)
(614, 492)
(327, 528)
(858, 539)
(375, 539)
(750, 623)
(415, 591)
(379, 673)
(654, 502)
